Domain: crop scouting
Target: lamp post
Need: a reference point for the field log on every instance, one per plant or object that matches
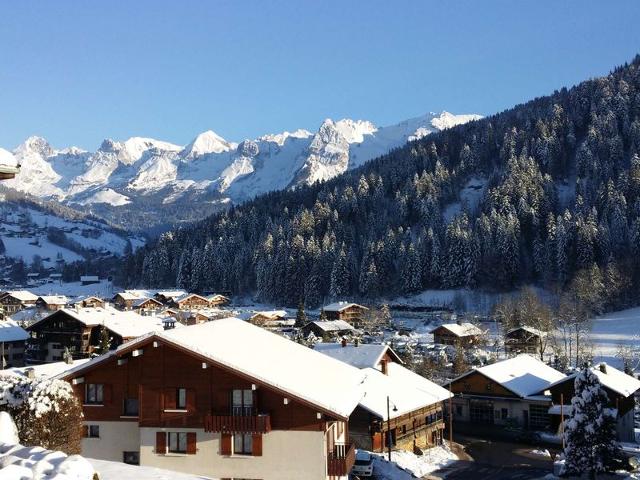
(395, 409)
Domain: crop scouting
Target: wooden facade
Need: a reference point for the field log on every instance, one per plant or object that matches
(146, 306)
(444, 336)
(191, 301)
(352, 313)
(522, 340)
(124, 301)
(90, 302)
(12, 304)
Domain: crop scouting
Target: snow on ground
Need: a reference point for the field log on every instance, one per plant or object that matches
(17, 247)
(104, 289)
(611, 330)
(122, 471)
(407, 465)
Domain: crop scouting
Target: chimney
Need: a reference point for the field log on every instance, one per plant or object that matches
(603, 368)
(383, 366)
(356, 342)
(31, 373)
(459, 322)
(343, 342)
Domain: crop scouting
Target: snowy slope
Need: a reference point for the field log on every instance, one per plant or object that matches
(139, 172)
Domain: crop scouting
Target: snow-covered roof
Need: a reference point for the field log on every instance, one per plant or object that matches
(407, 391)
(126, 295)
(10, 331)
(89, 278)
(533, 331)
(271, 314)
(187, 296)
(54, 299)
(127, 324)
(171, 293)
(268, 358)
(361, 356)
(339, 306)
(46, 370)
(333, 325)
(460, 329)
(23, 295)
(611, 378)
(141, 301)
(524, 375)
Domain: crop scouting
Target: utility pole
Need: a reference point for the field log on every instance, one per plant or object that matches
(562, 418)
(450, 418)
(388, 429)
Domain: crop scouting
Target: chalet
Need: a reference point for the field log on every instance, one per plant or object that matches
(261, 318)
(189, 301)
(415, 419)
(523, 340)
(55, 277)
(15, 300)
(126, 300)
(348, 312)
(456, 334)
(89, 279)
(620, 388)
(505, 393)
(200, 401)
(218, 300)
(89, 302)
(167, 296)
(12, 344)
(146, 306)
(329, 328)
(79, 331)
(52, 302)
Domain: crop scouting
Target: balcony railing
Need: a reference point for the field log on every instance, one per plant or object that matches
(341, 459)
(256, 423)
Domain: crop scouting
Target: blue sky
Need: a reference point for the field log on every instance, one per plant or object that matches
(76, 72)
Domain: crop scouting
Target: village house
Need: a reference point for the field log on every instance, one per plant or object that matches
(261, 318)
(89, 302)
(79, 329)
(415, 418)
(167, 296)
(16, 300)
(460, 333)
(51, 302)
(146, 306)
(189, 301)
(328, 328)
(506, 393)
(89, 279)
(523, 340)
(12, 344)
(126, 300)
(348, 312)
(222, 399)
(620, 387)
(218, 300)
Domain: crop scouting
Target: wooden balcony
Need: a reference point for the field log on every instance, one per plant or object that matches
(341, 460)
(258, 423)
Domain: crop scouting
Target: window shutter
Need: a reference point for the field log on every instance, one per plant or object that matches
(191, 400)
(170, 398)
(257, 445)
(85, 431)
(191, 443)
(107, 392)
(161, 443)
(225, 444)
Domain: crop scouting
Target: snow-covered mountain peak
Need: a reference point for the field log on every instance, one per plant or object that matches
(447, 120)
(205, 143)
(354, 130)
(280, 138)
(35, 144)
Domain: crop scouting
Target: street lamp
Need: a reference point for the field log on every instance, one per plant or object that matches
(395, 409)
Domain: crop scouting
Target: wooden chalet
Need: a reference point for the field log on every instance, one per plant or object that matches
(167, 296)
(459, 333)
(416, 413)
(147, 306)
(329, 328)
(78, 330)
(189, 301)
(13, 340)
(348, 312)
(620, 387)
(523, 340)
(15, 300)
(218, 300)
(506, 393)
(89, 302)
(126, 300)
(198, 400)
(89, 279)
(52, 302)
(262, 318)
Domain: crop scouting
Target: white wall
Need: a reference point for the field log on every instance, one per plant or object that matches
(115, 438)
(286, 455)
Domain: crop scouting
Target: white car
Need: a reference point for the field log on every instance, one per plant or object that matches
(364, 464)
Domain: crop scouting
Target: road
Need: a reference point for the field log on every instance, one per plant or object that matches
(497, 460)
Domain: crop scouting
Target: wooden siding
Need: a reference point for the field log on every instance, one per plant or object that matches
(477, 384)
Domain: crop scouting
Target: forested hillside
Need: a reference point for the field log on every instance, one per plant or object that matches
(533, 194)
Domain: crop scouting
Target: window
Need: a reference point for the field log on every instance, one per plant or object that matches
(504, 413)
(459, 410)
(130, 407)
(94, 394)
(93, 431)
(242, 402)
(489, 387)
(177, 442)
(242, 444)
(181, 398)
(132, 458)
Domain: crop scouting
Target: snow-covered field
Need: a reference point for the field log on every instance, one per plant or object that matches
(611, 330)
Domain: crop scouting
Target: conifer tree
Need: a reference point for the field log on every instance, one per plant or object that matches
(105, 341)
(301, 316)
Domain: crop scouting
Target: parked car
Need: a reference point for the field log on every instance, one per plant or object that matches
(364, 464)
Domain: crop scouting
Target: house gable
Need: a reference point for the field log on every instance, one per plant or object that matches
(475, 383)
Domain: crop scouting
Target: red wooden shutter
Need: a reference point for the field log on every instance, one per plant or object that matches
(191, 443)
(170, 398)
(191, 400)
(161, 443)
(107, 393)
(85, 431)
(225, 444)
(257, 445)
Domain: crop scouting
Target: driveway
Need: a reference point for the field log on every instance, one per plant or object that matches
(496, 460)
